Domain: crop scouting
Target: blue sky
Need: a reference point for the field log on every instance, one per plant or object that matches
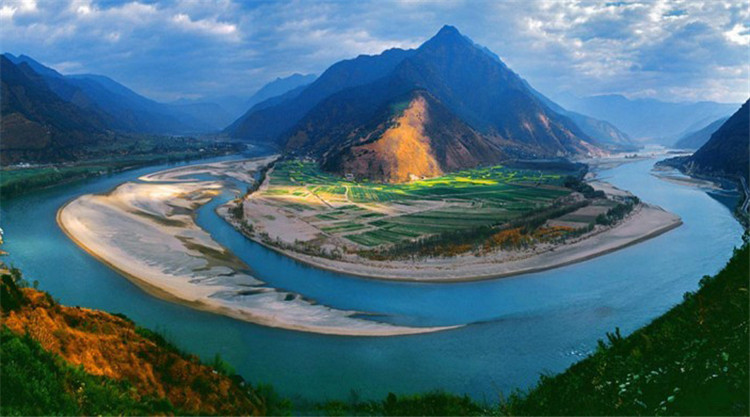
(672, 50)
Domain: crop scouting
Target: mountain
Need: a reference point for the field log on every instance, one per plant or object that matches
(266, 122)
(123, 109)
(214, 115)
(280, 86)
(648, 119)
(447, 105)
(39, 125)
(603, 133)
(220, 111)
(417, 136)
(696, 139)
(726, 153)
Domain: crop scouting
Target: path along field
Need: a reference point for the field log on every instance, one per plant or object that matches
(337, 213)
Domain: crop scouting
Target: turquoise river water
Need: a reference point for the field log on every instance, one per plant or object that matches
(517, 328)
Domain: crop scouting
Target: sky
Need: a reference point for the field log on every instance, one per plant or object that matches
(192, 49)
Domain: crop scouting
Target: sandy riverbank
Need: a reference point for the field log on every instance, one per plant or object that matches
(281, 229)
(146, 231)
(645, 222)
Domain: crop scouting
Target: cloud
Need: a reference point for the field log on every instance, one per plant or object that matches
(212, 27)
(674, 50)
(739, 34)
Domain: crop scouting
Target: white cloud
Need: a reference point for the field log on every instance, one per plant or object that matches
(739, 34)
(206, 26)
(670, 48)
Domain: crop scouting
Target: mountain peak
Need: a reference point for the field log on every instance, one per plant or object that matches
(448, 32)
(447, 36)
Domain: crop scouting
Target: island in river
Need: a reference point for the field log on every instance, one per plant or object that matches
(146, 230)
(474, 224)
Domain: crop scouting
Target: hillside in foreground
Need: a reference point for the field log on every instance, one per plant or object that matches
(693, 360)
(76, 361)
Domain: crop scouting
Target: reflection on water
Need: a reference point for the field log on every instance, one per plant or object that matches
(525, 325)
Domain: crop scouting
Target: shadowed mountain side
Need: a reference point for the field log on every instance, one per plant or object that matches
(266, 123)
(488, 96)
(423, 140)
(473, 102)
(698, 138)
(121, 108)
(36, 123)
(726, 153)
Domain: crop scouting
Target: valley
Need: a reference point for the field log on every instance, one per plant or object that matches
(579, 299)
(146, 230)
(359, 209)
(473, 224)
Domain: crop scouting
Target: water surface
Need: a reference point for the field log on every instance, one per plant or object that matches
(520, 326)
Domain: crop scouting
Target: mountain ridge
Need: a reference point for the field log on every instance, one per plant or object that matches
(462, 81)
(647, 118)
(697, 138)
(124, 109)
(36, 123)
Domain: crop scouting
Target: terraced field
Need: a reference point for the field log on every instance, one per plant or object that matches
(366, 214)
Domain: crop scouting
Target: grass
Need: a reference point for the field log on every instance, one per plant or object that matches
(692, 360)
(462, 200)
(109, 159)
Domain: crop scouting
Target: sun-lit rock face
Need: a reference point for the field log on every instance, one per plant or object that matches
(403, 152)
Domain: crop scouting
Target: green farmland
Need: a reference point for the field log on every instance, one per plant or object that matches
(366, 215)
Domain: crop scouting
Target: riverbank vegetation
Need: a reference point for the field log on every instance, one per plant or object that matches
(469, 210)
(693, 360)
(109, 159)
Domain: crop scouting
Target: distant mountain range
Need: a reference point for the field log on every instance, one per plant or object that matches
(726, 154)
(698, 138)
(37, 124)
(603, 132)
(280, 86)
(447, 105)
(649, 119)
(123, 109)
(220, 111)
(48, 116)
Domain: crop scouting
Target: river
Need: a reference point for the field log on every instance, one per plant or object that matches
(517, 328)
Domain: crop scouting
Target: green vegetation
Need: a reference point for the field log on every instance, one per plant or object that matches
(617, 212)
(37, 382)
(436, 403)
(108, 159)
(693, 360)
(384, 220)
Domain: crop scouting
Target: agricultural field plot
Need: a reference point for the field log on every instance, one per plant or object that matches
(584, 216)
(368, 214)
